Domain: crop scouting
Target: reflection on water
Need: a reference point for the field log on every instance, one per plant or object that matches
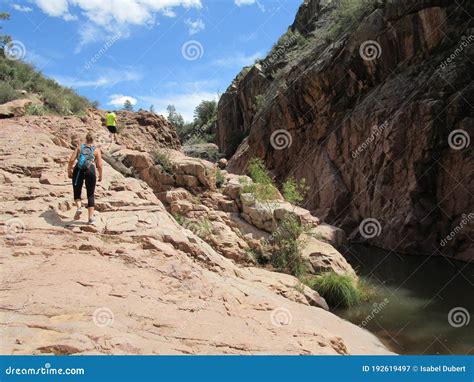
(410, 311)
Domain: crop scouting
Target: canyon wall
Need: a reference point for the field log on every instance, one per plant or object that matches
(376, 114)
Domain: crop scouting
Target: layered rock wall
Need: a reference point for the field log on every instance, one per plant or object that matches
(378, 121)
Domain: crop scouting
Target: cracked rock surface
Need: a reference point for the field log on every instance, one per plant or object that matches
(137, 282)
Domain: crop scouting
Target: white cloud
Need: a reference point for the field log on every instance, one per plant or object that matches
(88, 33)
(241, 3)
(195, 26)
(55, 8)
(109, 77)
(168, 13)
(69, 17)
(118, 100)
(123, 12)
(109, 17)
(237, 60)
(21, 8)
(185, 103)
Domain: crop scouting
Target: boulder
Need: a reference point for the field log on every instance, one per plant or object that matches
(323, 257)
(17, 107)
(333, 235)
(266, 214)
(207, 151)
(234, 185)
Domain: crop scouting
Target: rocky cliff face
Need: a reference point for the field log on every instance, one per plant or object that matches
(375, 113)
(139, 282)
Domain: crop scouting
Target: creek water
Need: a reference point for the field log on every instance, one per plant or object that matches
(421, 305)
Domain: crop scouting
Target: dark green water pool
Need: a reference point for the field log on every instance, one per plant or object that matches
(422, 305)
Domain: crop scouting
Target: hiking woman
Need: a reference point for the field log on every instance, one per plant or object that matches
(86, 157)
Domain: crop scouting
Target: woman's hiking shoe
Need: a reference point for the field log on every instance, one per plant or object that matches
(92, 221)
(78, 213)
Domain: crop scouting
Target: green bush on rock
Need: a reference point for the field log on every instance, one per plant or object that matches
(295, 191)
(18, 75)
(338, 290)
(348, 14)
(163, 160)
(262, 186)
(288, 242)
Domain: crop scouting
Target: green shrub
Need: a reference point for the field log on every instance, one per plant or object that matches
(78, 105)
(258, 172)
(57, 99)
(248, 187)
(287, 254)
(33, 109)
(348, 14)
(367, 290)
(295, 191)
(259, 101)
(7, 93)
(338, 290)
(163, 160)
(195, 140)
(287, 41)
(180, 219)
(261, 192)
(262, 186)
(219, 178)
(204, 228)
(201, 227)
(258, 255)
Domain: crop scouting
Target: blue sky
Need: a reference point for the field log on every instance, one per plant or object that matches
(157, 52)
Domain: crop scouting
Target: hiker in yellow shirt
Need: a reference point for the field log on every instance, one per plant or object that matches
(111, 121)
